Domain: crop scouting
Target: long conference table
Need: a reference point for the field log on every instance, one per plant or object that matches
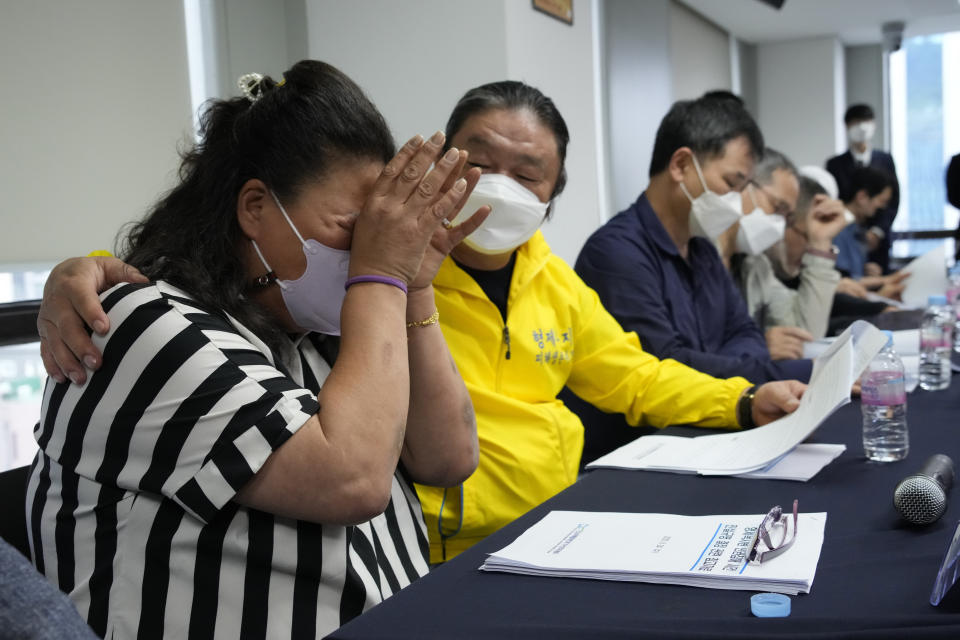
(873, 579)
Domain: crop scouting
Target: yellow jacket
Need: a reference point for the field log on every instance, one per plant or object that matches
(557, 333)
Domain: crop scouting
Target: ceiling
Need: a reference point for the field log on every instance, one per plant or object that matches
(853, 21)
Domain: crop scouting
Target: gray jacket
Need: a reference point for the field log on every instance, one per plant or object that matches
(771, 303)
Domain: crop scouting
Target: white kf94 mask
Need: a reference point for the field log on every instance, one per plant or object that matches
(759, 230)
(710, 213)
(515, 214)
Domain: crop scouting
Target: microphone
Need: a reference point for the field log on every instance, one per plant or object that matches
(922, 497)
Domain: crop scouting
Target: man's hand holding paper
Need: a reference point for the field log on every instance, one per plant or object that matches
(834, 373)
(776, 399)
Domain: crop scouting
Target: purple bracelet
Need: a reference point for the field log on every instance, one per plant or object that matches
(399, 284)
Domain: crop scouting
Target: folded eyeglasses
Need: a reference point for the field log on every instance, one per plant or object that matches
(774, 535)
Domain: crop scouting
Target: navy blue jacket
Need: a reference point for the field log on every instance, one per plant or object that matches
(851, 251)
(688, 311)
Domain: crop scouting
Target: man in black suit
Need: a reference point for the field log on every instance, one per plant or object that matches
(859, 120)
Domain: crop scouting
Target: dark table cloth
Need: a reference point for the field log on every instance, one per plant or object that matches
(873, 580)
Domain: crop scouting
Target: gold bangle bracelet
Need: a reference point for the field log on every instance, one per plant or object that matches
(433, 319)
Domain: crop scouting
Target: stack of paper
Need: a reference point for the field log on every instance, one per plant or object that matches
(697, 551)
(834, 373)
(801, 463)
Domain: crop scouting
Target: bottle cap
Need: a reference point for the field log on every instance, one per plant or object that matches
(889, 335)
(770, 605)
(937, 300)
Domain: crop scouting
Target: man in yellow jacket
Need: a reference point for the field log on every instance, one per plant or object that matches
(530, 442)
(520, 325)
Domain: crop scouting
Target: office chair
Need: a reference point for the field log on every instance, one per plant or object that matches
(13, 518)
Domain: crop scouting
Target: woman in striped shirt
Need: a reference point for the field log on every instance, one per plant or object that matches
(230, 471)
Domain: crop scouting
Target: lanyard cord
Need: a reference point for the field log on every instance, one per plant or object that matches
(444, 536)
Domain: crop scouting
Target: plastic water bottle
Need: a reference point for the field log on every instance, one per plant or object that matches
(953, 299)
(883, 401)
(936, 344)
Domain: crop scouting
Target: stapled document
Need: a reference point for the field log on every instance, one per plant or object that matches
(699, 551)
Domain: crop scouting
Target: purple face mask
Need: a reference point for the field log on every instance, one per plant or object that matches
(315, 298)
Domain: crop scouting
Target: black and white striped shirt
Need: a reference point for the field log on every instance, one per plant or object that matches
(130, 497)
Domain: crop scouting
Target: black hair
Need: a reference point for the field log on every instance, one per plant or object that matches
(705, 125)
(771, 161)
(514, 95)
(723, 94)
(291, 136)
(858, 112)
(869, 179)
(809, 189)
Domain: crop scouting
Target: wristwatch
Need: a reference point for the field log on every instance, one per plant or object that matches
(745, 408)
(829, 255)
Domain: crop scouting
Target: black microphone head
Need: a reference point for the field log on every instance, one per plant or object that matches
(920, 499)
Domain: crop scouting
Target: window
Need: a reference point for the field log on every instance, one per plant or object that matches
(924, 99)
(22, 282)
(21, 390)
(21, 370)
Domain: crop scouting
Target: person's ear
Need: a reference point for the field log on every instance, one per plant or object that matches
(680, 163)
(252, 203)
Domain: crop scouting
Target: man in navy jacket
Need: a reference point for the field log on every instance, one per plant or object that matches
(655, 266)
(859, 120)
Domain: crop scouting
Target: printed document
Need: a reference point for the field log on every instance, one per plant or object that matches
(834, 373)
(906, 343)
(698, 551)
(928, 277)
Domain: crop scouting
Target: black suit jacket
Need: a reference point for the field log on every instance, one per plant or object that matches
(953, 181)
(953, 192)
(842, 168)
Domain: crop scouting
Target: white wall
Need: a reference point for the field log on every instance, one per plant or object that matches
(112, 151)
(639, 91)
(95, 99)
(261, 37)
(800, 97)
(747, 57)
(415, 60)
(559, 60)
(655, 52)
(699, 54)
(864, 83)
(839, 97)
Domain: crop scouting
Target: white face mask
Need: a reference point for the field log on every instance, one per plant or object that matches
(711, 214)
(515, 214)
(861, 132)
(759, 230)
(314, 299)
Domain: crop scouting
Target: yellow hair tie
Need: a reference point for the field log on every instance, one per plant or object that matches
(282, 82)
